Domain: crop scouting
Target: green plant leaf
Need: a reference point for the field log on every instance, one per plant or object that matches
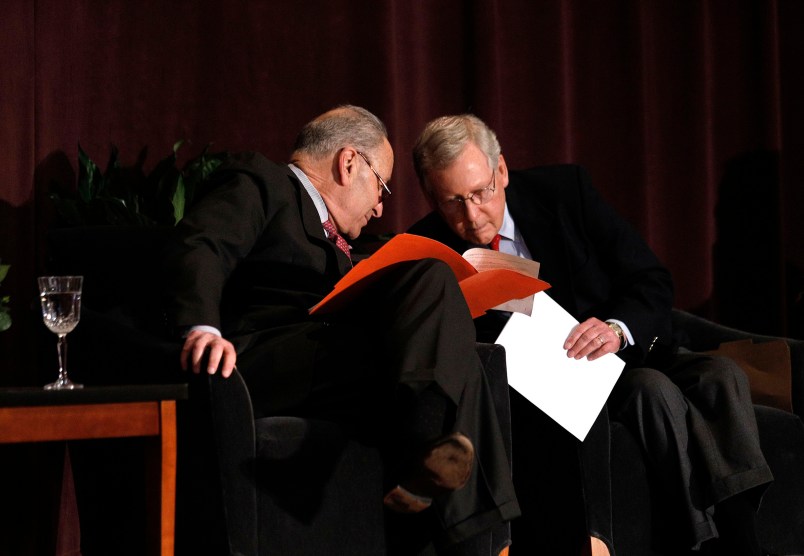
(72, 211)
(114, 211)
(112, 167)
(197, 170)
(89, 176)
(166, 191)
(5, 320)
(160, 185)
(4, 271)
(178, 200)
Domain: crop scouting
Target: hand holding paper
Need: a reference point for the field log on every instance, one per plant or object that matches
(571, 391)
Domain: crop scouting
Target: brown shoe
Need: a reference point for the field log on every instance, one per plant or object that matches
(445, 467)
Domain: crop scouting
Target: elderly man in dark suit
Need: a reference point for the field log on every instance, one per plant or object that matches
(693, 414)
(398, 368)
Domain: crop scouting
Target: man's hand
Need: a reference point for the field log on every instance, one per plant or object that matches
(221, 353)
(591, 339)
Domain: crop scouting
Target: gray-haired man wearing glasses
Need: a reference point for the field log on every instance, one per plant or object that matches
(607, 277)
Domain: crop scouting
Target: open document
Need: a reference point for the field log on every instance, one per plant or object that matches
(499, 279)
(485, 259)
(571, 391)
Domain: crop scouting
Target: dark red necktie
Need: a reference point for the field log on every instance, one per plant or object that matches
(336, 238)
(495, 243)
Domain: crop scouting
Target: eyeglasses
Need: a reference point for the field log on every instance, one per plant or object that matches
(479, 197)
(384, 191)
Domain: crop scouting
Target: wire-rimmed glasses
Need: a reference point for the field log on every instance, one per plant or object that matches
(477, 197)
(384, 190)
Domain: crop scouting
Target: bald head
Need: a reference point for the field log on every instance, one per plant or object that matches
(341, 126)
(346, 155)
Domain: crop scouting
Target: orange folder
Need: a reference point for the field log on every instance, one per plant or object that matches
(482, 290)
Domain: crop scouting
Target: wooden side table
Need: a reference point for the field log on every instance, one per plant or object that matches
(37, 415)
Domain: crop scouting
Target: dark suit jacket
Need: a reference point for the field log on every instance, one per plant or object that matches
(596, 263)
(250, 259)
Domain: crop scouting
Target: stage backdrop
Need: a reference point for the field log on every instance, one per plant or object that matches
(688, 114)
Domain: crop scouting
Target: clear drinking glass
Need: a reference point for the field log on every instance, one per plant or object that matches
(61, 310)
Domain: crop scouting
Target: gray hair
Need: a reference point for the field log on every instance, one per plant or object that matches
(344, 125)
(444, 139)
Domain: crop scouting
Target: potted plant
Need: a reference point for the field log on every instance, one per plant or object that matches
(112, 226)
(126, 195)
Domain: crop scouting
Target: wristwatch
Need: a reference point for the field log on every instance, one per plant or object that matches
(620, 334)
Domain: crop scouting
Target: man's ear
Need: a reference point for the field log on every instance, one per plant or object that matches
(502, 172)
(346, 165)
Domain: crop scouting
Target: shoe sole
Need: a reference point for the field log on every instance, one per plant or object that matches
(448, 463)
(445, 467)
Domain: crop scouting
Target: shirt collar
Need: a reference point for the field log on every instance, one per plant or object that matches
(318, 200)
(508, 229)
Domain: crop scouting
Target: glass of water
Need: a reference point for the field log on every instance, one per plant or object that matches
(61, 310)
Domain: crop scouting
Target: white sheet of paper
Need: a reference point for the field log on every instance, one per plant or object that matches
(571, 391)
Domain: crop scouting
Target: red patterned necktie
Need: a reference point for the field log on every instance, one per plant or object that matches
(336, 238)
(495, 243)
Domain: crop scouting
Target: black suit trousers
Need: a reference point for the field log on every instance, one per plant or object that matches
(406, 341)
(695, 421)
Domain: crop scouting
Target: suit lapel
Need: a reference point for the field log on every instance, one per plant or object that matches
(312, 225)
(540, 226)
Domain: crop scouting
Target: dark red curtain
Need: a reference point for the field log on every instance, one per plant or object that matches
(687, 113)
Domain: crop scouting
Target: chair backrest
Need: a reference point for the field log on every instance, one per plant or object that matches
(700, 334)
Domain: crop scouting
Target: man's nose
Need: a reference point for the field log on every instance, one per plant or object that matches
(470, 209)
(377, 210)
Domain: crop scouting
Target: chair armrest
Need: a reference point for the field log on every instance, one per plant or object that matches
(492, 356)
(235, 447)
(702, 335)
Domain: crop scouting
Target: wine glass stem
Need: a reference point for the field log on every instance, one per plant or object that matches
(62, 347)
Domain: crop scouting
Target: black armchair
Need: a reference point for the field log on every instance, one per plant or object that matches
(637, 510)
(290, 485)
